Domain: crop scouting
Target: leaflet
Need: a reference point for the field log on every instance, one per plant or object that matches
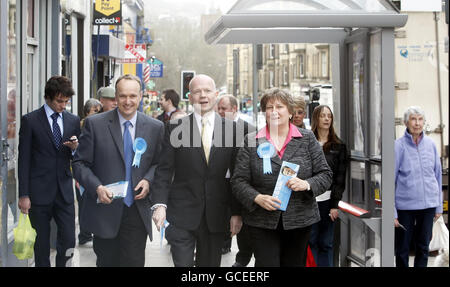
(282, 192)
(118, 189)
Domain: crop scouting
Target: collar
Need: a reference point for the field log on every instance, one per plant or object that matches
(210, 116)
(49, 111)
(171, 111)
(123, 120)
(409, 136)
(294, 132)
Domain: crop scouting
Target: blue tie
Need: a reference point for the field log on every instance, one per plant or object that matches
(57, 137)
(128, 153)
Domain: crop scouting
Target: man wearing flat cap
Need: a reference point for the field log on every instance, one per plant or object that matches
(107, 96)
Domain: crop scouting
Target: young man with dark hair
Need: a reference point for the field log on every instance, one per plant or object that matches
(47, 141)
(169, 103)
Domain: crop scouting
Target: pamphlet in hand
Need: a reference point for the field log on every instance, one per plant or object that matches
(118, 189)
(282, 192)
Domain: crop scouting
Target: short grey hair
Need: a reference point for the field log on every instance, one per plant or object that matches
(89, 104)
(412, 111)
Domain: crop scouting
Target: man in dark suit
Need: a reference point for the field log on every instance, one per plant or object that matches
(227, 106)
(190, 181)
(108, 146)
(169, 103)
(47, 139)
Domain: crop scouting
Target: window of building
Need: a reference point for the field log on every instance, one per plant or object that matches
(272, 51)
(301, 65)
(324, 61)
(271, 79)
(285, 72)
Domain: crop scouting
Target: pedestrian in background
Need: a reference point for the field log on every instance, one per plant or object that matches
(91, 107)
(299, 112)
(111, 151)
(48, 138)
(322, 232)
(418, 189)
(227, 107)
(107, 97)
(280, 238)
(169, 103)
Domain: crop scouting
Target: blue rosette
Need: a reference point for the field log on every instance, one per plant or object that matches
(139, 147)
(266, 151)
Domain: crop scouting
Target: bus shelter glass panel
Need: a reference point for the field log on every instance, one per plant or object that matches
(357, 122)
(357, 241)
(375, 189)
(357, 183)
(375, 96)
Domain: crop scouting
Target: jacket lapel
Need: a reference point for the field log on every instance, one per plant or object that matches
(46, 125)
(291, 149)
(196, 137)
(116, 131)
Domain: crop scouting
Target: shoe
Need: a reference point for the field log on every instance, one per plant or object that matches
(237, 264)
(226, 250)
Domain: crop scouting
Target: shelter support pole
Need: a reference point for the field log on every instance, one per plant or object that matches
(387, 148)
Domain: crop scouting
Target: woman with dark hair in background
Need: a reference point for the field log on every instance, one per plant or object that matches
(321, 240)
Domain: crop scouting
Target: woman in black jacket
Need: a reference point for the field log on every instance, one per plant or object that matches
(321, 240)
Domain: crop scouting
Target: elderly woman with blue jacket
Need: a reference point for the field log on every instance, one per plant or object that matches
(418, 189)
(280, 238)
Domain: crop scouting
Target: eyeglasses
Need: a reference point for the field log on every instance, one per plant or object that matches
(299, 112)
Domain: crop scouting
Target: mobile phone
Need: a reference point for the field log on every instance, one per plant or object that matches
(73, 140)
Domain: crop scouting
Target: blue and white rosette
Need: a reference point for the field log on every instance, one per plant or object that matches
(139, 147)
(266, 151)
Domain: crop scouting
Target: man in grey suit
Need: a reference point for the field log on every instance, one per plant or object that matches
(108, 146)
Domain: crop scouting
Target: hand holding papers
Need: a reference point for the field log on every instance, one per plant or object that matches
(282, 191)
(113, 191)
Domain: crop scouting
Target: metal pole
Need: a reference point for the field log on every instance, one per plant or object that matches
(255, 85)
(387, 146)
(438, 71)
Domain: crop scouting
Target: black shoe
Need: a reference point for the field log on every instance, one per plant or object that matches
(226, 250)
(237, 264)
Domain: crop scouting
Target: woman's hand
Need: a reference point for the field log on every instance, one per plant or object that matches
(334, 214)
(267, 202)
(297, 184)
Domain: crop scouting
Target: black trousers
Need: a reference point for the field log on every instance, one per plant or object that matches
(83, 235)
(40, 217)
(127, 249)
(279, 247)
(245, 252)
(208, 246)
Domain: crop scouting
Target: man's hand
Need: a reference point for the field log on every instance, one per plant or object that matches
(145, 185)
(159, 216)
(334, 214)
(24, 204)
(267, 202)
(235, 224)
(104, 195)
(72, 143)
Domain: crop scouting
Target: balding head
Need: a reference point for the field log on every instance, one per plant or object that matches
(202, 93)
(227, 107)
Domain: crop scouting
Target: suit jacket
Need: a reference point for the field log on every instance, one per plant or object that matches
(189, 186)
(337, 161)
(43, 170)
(248, 181)
(99, 160)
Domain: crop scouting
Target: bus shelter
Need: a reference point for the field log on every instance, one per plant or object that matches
(361, 38)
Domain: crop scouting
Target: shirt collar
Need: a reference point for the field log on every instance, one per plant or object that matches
(49, 111)
(210, 116)
(411, 137)
(122, 120)
(294, 132)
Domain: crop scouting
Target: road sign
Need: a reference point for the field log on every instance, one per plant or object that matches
(107, 12)
(134, 53)
(156, 68)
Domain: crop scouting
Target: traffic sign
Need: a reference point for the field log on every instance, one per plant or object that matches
(156, 67)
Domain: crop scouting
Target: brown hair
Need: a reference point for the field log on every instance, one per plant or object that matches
(299, 103)
(277, 94)
(332, 137)
(58, 85)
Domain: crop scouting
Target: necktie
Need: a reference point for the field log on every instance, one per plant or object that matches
(205, 138)
(57, 137)
(128, 154)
